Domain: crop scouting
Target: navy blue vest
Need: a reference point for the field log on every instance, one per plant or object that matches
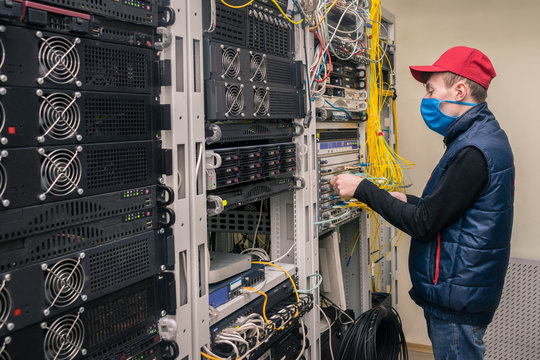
(459, 275)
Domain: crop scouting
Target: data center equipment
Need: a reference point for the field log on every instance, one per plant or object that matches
(109, 210)
(228, 289)
(240, 220)
(124, 322)
(338, 151)
(288, 346)
(57, 19)
(86, 245)
(229, 133)
(37, 116)
(223, 265)
(163, 350)
(254, 88)
(248, 163)
(145, 12)
(282, 309)
(250, 71)
(71, 280)
(50, 60)
(54, 173)
(238, 196)
(344, 96)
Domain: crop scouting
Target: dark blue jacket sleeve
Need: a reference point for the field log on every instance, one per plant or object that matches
(423, 218)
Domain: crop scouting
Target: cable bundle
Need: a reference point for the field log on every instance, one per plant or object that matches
(248, 333)
(376, 335)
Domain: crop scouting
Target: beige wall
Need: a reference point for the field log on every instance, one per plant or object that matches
(509, 34)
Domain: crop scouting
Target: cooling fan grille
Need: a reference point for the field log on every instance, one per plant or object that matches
(257, 67)
(2, 117)
(61, 172)
(3, 179)
(234, 99)
(64, 338)
(59, 115)
(4, 355)
(58, 59)
(5, 304)
(261, 101)
(64, 282)
(2, 53)
(230, 63)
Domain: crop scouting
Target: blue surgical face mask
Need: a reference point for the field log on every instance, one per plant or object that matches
(435, 119)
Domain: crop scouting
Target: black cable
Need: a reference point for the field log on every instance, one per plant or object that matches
(307, 119)
(377, 334)
(170, 349)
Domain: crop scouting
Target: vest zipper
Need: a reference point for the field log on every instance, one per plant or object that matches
(437, 259)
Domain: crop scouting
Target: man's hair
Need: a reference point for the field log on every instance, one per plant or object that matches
(478, 92)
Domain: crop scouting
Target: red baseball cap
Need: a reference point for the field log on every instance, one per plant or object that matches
(461, 60)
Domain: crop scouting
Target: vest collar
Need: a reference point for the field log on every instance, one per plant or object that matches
(464, 122)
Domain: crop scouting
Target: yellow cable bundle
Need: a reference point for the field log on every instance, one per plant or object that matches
(384, 164)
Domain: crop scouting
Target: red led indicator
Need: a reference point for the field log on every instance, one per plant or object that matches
(149, 44)
(11, 130)
(147, 191)
(17, 312)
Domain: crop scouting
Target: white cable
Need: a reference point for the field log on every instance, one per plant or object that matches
(209, 352)
(231, 338)
(303, 340)
(258, 252)
(199, 160)
(257, 227)
(212, 26)
(343, 312)
(284, 255)
(329, 329)
(235, 348)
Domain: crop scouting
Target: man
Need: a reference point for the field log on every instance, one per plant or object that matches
(461, 225)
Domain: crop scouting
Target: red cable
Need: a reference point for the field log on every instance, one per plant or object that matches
(329, 59)
(329, 70)
(320, 52)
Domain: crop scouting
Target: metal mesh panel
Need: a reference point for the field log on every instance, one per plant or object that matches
(115, 67)
(270, 36)
(115, 117)
(514, 334)
(240, 221)
(115, 317)
(119, 166)
(281, 103)
(119, 264)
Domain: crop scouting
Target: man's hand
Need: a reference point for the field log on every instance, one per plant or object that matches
(398, 195)
(345, 184)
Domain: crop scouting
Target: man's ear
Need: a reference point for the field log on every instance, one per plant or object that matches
(461, 90)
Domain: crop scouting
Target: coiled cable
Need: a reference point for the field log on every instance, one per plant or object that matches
(377, 334)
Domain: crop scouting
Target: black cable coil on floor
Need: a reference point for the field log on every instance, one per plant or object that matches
(376, 335)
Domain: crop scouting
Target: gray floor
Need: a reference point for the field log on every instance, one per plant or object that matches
(414, 355)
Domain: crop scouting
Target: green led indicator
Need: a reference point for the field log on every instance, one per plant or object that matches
(138, 216)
